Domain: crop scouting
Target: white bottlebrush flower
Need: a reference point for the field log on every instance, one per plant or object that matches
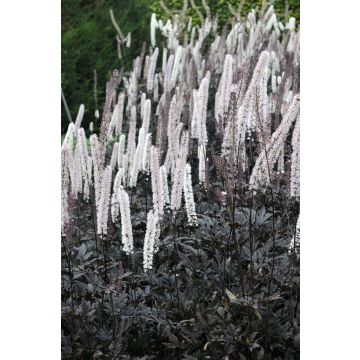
(151, 71)
(177, 65)
(79, 118)
(69, 136)
(126, 228)
(115, 202)
(131, 145)
(189, 197)
(120, 114)
(83, 155)
(146, 116)
(224, 91)
(146, 66)
(167, 75)
(164, 185)
(83, 151)
(121, 150)
(173, 121)
(89, 168)
(142, 103)
(95, 155)
(118, 180)
(147, 153)
(103, 209)
(125, 166)
(295, 241)
(114, 155)
(201, 110)
(156, 181)
(257, 91)
(178, 178)
(260, 175)
(291, 24)
(202, 157)
(295, 161)
(136, 165)
(65, 182)
(151, 241)
(91, 127)
(76, 180)
(156, 87)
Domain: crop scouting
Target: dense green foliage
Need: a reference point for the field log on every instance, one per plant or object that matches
(88, 41)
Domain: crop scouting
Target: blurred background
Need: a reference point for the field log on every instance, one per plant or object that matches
(88, 41)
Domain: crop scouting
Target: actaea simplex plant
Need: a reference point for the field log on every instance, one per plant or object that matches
(209, 116)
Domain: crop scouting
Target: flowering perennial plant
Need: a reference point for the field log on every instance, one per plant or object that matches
(233, 94)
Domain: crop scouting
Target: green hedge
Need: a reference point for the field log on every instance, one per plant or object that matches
(88, 40)
(284, 8)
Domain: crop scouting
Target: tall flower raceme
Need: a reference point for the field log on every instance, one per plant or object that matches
(126, 228)
(83, 155)
(151, 241)
(223, 93)
(262, 170)
(167, 74)
(111, 86)
(164, 60)
(142, 103)
(121, 150)
(146, 115)
(295, 161)
(89, 169)
(76, 183)
(164, 185)
(117, 117)
(79, 118)
(200, 111)
(115, 202)
(151, 71)
(253, 111)
(131, 140)
(156, 87)
(173, 149)
(114, 155)
(178, 179)
(65, 183)
(199, 124)
(202, 163)
(145, 163)
(83, 151)
(295, 241)
(137, 162)
(189, 197)
(97, 169)
(174, 117)
(156, 183)
(177, 65)
(103, 208)
(69, 136)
